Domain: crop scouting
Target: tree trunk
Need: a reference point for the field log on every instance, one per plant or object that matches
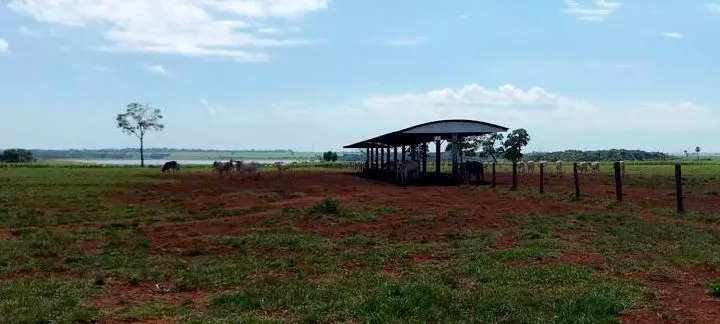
(142, 156)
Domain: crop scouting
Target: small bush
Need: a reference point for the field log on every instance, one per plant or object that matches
(328, 206)
(715, 288)
(134, 280)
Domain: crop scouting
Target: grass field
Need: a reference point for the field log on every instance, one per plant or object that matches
(127, 244)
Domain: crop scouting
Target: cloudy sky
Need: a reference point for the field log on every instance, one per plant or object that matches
(318, 74)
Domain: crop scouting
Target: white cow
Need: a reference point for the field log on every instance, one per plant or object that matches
(282, 166)
(559, 168)
(622, 168)
(407, 168)
(531, 167)
(521, 167)
(247, 168)
(583, 167)
(595, 166)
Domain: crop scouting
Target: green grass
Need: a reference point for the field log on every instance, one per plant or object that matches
(272, 271)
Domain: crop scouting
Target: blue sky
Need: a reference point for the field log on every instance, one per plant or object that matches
(318, 74)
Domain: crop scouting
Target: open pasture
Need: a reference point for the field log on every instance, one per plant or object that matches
(130, 244)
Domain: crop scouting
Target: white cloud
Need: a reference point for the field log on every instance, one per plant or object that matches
(596, 11)
(216, 28)
(3, 46)
(672, 35)
(509, 105)
(157, 69)
(31, 32)
(269, 31)
(405, 42)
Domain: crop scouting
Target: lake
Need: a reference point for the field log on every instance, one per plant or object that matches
(161, 162)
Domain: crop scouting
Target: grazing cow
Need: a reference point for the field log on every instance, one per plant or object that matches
(247, 168)
(407, 168)
(595, 166)
(521, 167)
(282, 166)
(583, 167)
(531, 167)
(622, 168)
(223, 167)
(170, 166)
(475, 169)
(559, 168)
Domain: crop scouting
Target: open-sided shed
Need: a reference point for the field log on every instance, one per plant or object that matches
(436, 131)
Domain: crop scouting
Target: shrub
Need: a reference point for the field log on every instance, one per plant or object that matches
(715, 288)
(326, 206)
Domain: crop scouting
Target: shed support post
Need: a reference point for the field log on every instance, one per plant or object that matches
(377, 158)
(387, 161)
(455, 171)
(403, 153)
(382, 158)
(367, 158)
(423, 153)
(438, 158)
(396, 157)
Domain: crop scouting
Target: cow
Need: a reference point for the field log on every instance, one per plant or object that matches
(622, 168)
(170, 166)
(475, 169)
(223, 167)
(247, 168)
(595, 166)
(282, 166)
(531, 167)
(407, 168)
(521, 167)
(583, 167)
(559, 168)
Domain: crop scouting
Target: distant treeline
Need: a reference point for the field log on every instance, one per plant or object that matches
(601, 155)
(179, 154)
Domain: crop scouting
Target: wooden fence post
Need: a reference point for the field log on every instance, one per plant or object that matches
(678, 186)
(577, 181)
(618, 182)
(514, 175)
(542, 178)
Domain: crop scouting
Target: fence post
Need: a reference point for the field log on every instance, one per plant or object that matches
(678, 185)
(493, 175)
(618, 182)
(542, 178)
(514, 175)
(577, 181)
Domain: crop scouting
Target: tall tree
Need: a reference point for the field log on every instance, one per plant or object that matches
(491, 145)
(514, 143)
(697, 151)
(466, 147)
(687, 155)
(137, 120)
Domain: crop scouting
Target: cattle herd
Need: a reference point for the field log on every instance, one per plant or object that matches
(230, 167)
(528, 167)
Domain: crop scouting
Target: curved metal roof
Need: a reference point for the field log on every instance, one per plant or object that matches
(426, 132)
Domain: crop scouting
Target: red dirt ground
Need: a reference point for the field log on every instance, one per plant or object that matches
(453, 209)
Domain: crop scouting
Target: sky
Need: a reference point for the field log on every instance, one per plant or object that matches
(320, 74)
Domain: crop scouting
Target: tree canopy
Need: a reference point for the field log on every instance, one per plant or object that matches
(137, 120)
(16, 156)
(514, 143)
